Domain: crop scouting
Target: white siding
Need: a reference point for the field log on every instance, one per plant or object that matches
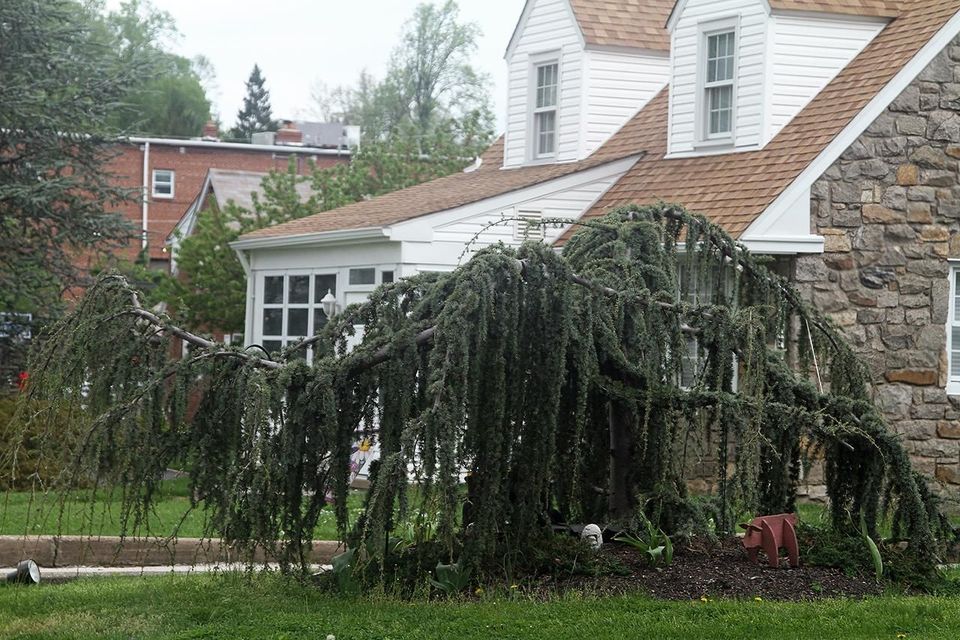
(483, 230)
(751, 45)
(807, 53)
(550, 27)
(618, 85)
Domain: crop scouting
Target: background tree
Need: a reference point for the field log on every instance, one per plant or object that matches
(256, 114)
(430, 87)
(61, 88)
(171, 99)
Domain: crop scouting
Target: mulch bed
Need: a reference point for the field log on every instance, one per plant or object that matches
(718, 570)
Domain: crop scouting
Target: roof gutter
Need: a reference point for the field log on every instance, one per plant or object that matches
(324, 237)
(240, 146)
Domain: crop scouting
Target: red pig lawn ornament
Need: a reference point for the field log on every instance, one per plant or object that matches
(770, 533)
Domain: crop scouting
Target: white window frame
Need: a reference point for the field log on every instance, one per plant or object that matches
(172, 183)
(312, 304)
(536, 63)
(953, 320)
(705, 31)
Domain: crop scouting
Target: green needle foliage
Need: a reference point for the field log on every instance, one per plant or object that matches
(523, 369)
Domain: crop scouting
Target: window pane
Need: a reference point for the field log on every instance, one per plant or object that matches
(273, 290)
(272, 346)
(546, 132)
(720, 55)
(547, 76)
(386, 276)
(273, 322)
(297, 322)
(299, 289)
(322, 284)
(363, 276)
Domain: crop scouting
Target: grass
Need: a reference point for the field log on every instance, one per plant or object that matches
(26, 513)
(267, 606)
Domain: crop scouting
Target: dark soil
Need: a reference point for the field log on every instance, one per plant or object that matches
(718, 570)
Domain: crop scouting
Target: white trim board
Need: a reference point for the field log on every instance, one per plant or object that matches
(874, 109)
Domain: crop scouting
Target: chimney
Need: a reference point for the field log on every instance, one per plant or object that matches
(289, 134)
(211, 131)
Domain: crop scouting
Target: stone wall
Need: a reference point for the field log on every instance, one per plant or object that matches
(889, 211)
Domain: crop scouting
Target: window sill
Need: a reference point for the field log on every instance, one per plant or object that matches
(715, 143)
(161, 196)
(953, 389)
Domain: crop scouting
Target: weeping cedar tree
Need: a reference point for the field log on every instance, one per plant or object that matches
(524, 368)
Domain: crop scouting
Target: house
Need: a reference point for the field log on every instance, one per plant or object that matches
(169, 172)
(825, 133)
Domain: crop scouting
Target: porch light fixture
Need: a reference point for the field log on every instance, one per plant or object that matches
(329, 303)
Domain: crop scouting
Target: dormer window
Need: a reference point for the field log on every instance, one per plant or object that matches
(718, 81)
(545, 110)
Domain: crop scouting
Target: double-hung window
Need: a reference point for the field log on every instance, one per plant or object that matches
(953, 331)
(163, 183)
(546, 100)
(719, 83)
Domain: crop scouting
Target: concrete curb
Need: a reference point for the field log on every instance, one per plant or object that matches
(109, 551)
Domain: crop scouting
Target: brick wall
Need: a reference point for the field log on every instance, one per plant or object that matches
(190, 164)
(889, 211)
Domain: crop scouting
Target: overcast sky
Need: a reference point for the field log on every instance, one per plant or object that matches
(300, 42)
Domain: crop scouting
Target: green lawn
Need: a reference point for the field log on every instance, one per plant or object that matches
(22, 512)
(233, 606)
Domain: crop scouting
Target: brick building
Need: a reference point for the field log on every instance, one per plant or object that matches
(171, 172)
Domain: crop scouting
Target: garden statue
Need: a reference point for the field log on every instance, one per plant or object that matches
(592, 535)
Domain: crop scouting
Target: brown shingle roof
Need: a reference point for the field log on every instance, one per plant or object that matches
(449, 192)
(874, 8)
(624, 23)
(734, 189)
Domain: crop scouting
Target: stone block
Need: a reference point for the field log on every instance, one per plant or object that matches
(895, 399)
(899, 232)
(947, 129)
(908, 101)
(810, 269)
(929, 268)
(916, 317)
(948, 429)
(870, 316)
(916, 429)
(934, 233)
(843, 262)
(948, 473)
(908, 175)
(888, 300)
(929, 157)
(938, 177)
(938, 71)
(919, 212)
(911, 125)
(917, 377)
(880, 214)
(835, 240)
(846, 318)
(911, 283)
(846, 193)
(922, 194)
(861, 300)
(939, 300)
(894, 198)
(935, 396)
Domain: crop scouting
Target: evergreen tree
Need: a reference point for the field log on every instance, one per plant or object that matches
(256, 114)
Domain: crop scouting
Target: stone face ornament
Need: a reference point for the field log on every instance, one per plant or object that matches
(593, 536)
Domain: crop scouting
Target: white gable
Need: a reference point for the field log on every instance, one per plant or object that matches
(782, 60)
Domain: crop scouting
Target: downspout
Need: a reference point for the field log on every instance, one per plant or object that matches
(144, 215)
